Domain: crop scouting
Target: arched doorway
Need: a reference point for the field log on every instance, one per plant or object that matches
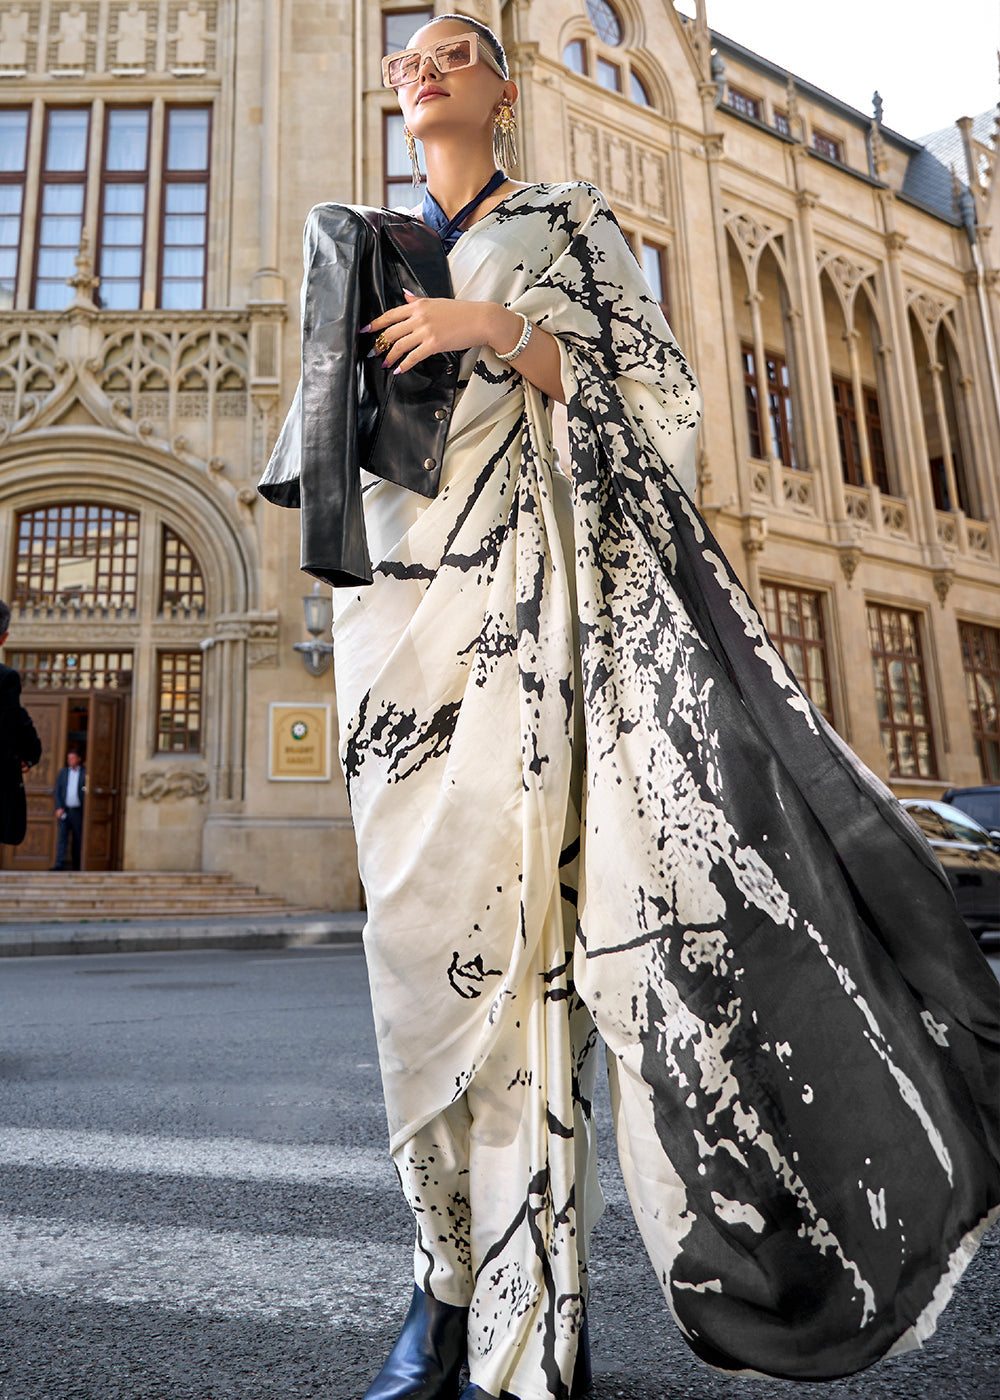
(117, 573)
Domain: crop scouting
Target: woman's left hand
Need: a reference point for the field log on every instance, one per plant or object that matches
(429, 325)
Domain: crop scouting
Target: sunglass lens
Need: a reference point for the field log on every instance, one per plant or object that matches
(457, 55)
(404, 68)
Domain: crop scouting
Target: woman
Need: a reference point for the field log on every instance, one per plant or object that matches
(588, 792)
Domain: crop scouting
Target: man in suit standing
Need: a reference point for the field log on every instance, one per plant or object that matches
(69, 810)
(20, 748)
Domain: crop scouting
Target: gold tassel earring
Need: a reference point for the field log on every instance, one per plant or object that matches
(505, 136)
(411, 151)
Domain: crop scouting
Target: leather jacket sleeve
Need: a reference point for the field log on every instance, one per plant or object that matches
(348, 412)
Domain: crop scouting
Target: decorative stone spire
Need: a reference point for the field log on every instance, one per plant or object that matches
(796, 127)
(877, 106)
(83, 280)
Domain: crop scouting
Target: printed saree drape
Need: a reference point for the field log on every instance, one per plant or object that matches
(587, 790)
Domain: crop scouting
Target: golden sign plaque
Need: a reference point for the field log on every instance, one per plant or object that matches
(299, 743)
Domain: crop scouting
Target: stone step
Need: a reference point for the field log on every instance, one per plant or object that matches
(64, 896)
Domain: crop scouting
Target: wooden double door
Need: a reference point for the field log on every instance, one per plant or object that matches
(95, 723)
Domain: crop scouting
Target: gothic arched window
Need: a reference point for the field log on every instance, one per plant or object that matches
(182, 586)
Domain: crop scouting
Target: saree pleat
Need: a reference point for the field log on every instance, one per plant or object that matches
(803, 1036)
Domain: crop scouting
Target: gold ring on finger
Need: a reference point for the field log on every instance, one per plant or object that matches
(382, 343)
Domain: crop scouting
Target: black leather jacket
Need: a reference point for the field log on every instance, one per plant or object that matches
(349, 413)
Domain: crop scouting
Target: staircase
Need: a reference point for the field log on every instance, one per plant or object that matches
(82, 896)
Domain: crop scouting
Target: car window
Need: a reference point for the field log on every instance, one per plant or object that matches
(959, 830)
(929, 822)
(983, 807)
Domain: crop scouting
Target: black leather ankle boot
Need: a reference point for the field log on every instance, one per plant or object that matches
(428, 1355)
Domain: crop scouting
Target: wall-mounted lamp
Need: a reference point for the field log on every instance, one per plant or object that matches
(317, 655)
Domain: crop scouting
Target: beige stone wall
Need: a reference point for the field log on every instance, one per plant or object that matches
(765, 242)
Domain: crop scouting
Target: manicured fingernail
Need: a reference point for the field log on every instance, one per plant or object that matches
(398, 369)
(370, 354)
(364, 330)
(385, 364)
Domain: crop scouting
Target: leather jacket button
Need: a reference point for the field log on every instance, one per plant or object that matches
(429, 464)
(440, 413)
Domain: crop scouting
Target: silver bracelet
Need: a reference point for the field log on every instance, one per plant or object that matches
(521, 344)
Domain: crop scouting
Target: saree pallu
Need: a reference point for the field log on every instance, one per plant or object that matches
(803, 1037)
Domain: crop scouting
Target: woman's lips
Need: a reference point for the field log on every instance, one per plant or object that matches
(430, 92)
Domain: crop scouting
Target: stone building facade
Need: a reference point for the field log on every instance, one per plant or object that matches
(834, 284)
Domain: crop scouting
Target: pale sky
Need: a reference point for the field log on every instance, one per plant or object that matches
(932, 63)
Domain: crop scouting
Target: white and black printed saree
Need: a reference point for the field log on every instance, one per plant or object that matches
(550, 705)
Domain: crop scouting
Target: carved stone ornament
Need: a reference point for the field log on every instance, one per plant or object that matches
(750, 237)
(850, 558)
(172, 785)
(262, 642)
(754, 534)
(943, 579)
(929, 313)
(845, 276)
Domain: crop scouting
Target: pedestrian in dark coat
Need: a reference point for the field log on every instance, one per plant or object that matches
(70, 784)
(20, 748)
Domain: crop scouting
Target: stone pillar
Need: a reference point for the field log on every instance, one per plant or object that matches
(935, 370)
(268, 282)
(753, 301)
(831, 475)
(851, 339)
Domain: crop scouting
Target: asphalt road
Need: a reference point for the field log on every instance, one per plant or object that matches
(196, 1202)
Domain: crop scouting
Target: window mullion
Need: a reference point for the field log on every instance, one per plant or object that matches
(154, 200)
(32, 198)
(95, 164)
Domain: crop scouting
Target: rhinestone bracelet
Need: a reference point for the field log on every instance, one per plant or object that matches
(521, 344)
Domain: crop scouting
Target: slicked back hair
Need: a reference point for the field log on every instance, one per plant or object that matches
(492, 42)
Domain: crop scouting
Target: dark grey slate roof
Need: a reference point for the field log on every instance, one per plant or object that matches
(928, 173)
(929, 160)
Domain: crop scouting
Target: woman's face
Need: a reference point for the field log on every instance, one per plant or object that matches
(466, 98)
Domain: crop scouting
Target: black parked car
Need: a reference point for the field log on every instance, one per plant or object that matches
(981, 803)
(970, 857)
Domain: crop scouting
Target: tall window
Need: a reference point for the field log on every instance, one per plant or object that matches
(179, 715)
(13, 169)
(182, 587)
(399, 189)
(794, 618)
(575, 56)
(63, 189)
(185, 209)
(981, 662)
(901, 691)
(654, 265)
(80, 554)
(876, 441)
(399, 25)
(781, 122)
(847, 432)
(609, 75)
(124, 182)
(119, 184)
(849, 439)
(779, 405)
(638, 90)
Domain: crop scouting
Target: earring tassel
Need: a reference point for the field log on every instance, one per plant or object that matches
(505, 138)
(411, 151)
